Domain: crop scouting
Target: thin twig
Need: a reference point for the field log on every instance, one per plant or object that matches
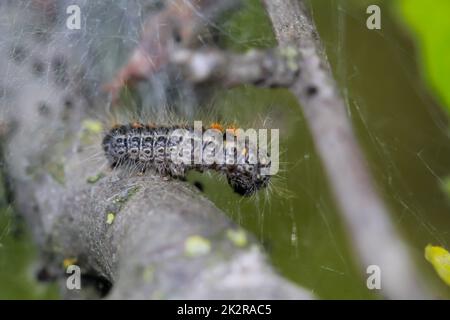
(270, 68)
(180, 22)
(370, 230)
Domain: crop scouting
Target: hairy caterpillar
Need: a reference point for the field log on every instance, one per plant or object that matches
(153, 147)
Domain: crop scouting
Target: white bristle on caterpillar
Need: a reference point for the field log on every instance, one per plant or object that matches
(149, 147)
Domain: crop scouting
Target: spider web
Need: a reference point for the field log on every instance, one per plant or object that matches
(400, 127)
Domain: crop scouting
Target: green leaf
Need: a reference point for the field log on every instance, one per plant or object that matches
(440, 259)
(430, 25)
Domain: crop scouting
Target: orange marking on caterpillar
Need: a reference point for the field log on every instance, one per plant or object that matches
(233, 130)
(217, 126)
(136, 125)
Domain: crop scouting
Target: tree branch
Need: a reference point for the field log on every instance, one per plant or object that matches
(370, 230)
(147, 237)
(270, 68)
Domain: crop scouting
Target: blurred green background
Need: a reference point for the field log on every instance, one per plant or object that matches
(400, 124)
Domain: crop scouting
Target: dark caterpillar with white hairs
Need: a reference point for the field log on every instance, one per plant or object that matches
(145, 147)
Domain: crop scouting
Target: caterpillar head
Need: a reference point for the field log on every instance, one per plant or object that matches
(247, 180)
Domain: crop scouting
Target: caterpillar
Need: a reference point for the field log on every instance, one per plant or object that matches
(171, 150)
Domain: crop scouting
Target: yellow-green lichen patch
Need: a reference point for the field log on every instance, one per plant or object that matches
(195, 246)
(89, 129)
(92, 126)
(110, 218)
(125, 196)
(69, 261)
(291, 55)
(118, 202)
(94, 179)
(238, 237)
(440, 259)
